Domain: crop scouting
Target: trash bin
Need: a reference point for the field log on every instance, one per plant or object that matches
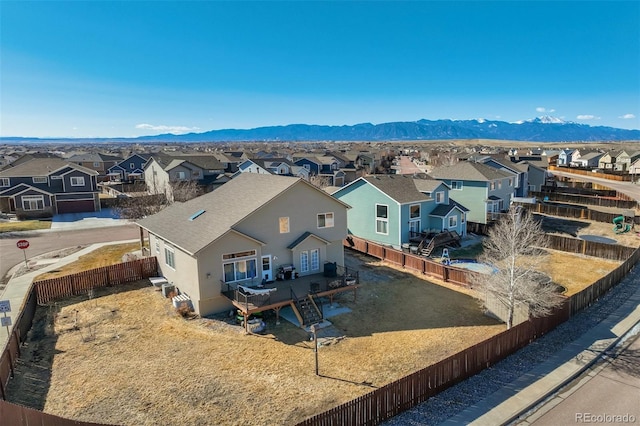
(330, 269)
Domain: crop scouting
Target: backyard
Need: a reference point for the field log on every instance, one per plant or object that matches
(123, 356)
(131, 351)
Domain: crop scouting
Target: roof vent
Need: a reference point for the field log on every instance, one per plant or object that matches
(196, 215)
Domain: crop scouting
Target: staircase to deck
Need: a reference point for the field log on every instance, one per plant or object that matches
(306, 310)
(444, 238)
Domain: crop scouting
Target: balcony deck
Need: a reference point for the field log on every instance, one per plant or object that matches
(285, 292)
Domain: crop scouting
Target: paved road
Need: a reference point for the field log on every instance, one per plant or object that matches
(45, 242)
(609, 390)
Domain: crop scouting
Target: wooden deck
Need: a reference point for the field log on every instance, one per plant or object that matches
(284, 292)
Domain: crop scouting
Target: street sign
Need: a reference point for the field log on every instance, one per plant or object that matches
(23, 244)
(5, 321)
(5, 306)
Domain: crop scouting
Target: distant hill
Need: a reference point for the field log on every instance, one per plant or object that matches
(541, 129)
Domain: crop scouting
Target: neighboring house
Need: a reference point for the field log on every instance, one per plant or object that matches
(608, 160)
(519, 171)
(392, 209)
(537, 176)
(484, 190)
(99, 162)
(129, 169)
(229, 161)
(242, 232)
(44, 187)
(162, 170)
(274, 166)
(623, 161)
(588, 160)
(324, 167)
(566, 156)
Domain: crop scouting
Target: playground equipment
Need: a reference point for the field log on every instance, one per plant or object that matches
(619, 226)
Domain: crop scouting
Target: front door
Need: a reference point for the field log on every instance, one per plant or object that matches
(266, 268)
(414, 228)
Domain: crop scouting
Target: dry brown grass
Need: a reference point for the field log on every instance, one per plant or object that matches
(104, 256)
(24, 225)
(130, 359)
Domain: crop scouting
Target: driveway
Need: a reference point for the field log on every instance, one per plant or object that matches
(74, 221)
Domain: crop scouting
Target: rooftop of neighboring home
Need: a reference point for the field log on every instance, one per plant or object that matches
(95, 157)
(466, 170)
(204, 161)
(40, 167)
(401, 188)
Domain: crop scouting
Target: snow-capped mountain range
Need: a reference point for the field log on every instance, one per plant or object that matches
(540, 129)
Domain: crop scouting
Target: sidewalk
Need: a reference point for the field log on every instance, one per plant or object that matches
(512, 400)
(18, 286)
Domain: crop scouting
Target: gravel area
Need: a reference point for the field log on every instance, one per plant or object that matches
(473, 390)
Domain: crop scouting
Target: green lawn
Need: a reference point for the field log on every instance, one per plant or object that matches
(24, 225)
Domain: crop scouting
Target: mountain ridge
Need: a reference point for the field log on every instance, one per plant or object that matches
(540, 129)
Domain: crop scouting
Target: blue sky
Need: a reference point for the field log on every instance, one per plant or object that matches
(132, 68)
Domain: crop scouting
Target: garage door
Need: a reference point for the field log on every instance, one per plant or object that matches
(77, 206)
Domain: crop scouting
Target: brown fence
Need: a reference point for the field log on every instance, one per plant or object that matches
(590, 248)
(611, 176)
(80, 283)
(574, 212)
(584, 199)
(409, 391)
(448, 273)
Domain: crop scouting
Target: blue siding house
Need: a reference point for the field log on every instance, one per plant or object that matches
(397, 209)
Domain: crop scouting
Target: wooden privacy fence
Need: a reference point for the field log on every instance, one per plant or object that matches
(82, 282)
(583, 199)
(409, 391)
(574, 212)
(611, 176)
(590, 248)
(414, 262)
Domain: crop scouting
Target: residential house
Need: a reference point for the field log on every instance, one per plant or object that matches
(566, 156)
(393, 209)
(99, 162)
(588, 160)
(608, 160)
(44, 187)
(623, 161)
(274, 166)
(163, 170)
(482, 189)
(520, 172)
(130, 169)
(324, 167)
(241, 233)
(536, 176)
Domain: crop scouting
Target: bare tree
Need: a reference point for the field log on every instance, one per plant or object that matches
(515, 246)
(319, 181)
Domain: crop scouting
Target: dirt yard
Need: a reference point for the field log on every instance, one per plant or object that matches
(127, 358)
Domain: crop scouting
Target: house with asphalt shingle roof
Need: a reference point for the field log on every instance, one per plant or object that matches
(484, 190)
(242, 232)
(46, 186)
(163, 171)
(97, 161)
(396, 209)
(129, 169)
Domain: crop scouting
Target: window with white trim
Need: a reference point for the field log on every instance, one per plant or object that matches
(284, 225)
(453, 221)
(307, 166)
(39, 179)
(463, 217)
(132, 166)
(170, 257)
(315, 260)
(439, 197)
(77, 180)
(325, 220)
(32, 202)
(239, 266)
(157, 247)
(382, 219)
(180, 175)
(5, 182)
(304, 261)
(414, 211)
(96, 164)
(456, 185)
